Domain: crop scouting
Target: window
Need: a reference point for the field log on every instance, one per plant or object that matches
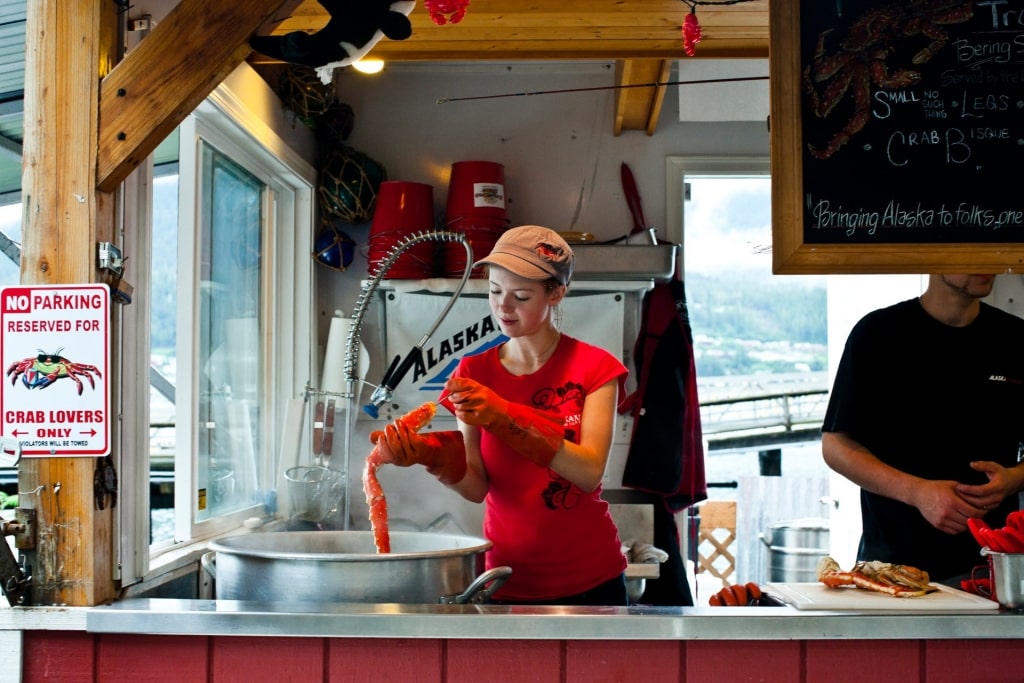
(231, 302)
(10, 274)
(749, 322)
(216, 231)
(759, 348)
(10, 243)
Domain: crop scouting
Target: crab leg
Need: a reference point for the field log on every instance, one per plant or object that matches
(377, 503)
(831, 574)
(417, 418)
(896, 590)
(897, 580)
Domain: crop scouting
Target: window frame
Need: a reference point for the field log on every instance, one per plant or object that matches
(207, 126)
(676, 169)
(232, 127)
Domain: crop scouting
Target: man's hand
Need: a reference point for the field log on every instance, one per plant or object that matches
(944, 508)
(1002, 482)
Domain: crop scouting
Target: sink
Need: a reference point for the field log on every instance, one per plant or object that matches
(624, 261)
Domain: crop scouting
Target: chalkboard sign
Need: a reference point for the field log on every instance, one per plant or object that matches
(897, 135)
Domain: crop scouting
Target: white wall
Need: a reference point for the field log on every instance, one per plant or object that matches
(851, 297)
(562, 170)
(558, 149)
(562, 161)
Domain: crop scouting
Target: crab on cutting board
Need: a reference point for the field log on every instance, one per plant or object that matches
(898, 580)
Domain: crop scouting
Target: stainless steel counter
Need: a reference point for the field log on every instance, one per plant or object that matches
(228, 617)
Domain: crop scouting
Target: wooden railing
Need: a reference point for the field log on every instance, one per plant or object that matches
(765, 413)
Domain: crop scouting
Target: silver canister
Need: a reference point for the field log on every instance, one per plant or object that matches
(1007, 572)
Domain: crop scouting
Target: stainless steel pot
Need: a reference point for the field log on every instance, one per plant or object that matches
(344, 566)
(795, 548)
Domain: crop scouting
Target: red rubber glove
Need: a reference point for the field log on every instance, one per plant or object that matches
(442, 453)
(531, 433)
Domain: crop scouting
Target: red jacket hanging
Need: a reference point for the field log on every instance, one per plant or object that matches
(666, 453)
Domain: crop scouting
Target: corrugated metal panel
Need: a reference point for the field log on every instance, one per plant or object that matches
(10, 157)
(12, 87)
(12, 48)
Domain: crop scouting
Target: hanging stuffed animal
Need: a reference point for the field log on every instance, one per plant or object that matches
(355, 27)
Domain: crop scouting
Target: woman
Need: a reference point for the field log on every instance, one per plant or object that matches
(536, 419)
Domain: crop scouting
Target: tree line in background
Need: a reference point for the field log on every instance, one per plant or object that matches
(747, 323)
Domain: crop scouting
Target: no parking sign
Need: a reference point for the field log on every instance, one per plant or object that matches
(55, 342)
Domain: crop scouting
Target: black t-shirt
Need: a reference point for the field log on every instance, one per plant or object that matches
(928, 399)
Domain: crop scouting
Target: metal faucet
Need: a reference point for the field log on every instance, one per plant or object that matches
(382, 393)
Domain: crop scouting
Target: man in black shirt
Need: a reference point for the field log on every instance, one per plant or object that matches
(927, 416)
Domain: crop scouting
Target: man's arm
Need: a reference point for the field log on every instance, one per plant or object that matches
(937, 500)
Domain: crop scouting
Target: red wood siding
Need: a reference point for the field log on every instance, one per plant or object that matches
(74, 656)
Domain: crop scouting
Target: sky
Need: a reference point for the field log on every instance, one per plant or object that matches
(727, 224)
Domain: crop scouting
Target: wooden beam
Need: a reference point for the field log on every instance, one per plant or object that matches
(172, 70)
(638, 107)
(68, 47)
(516, 30)
(659, 97)
(546, 51)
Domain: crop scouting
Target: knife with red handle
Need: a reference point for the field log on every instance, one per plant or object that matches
(328, 443)
(318, 429)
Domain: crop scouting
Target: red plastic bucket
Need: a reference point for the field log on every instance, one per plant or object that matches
(481, 233)
(477, 190)
(403, 208)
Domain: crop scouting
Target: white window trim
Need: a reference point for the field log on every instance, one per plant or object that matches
(290, 347)
(209, 125)
(676, 170)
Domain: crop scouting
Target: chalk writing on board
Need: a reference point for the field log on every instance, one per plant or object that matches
(912, 120)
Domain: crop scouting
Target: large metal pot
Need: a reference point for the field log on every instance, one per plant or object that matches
(795, 548)
(344, 566)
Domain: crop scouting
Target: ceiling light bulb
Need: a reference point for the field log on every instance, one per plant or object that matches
(369, 66)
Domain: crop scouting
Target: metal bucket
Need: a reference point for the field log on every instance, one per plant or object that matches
(795, 548)
(344, 566)
(1007, 572)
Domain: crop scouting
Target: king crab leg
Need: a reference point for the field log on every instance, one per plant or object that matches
(417, 418)
(897, 580)
(377, 503)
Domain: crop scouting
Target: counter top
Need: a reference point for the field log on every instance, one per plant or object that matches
(231, 617)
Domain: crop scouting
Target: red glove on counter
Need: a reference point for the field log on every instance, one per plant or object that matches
(442, 453)
(531, 433)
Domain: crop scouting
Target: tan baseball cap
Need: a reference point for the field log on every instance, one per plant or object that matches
(532, 252)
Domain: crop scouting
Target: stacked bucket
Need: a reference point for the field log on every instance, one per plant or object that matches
(476, 207)
(403, 209)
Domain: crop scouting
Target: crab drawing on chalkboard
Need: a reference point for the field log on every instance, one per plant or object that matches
(862, 60)
(46, 368)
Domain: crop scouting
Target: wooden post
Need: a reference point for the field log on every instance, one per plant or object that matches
(69, 47)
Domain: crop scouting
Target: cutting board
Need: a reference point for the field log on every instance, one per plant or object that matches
(815, 596)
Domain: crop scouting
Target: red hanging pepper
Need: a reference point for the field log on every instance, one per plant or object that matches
(691, 32)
